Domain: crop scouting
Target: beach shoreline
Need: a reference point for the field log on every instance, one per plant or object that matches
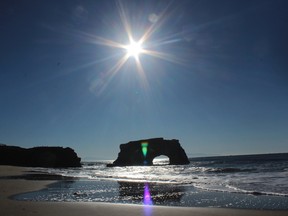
(10, 187)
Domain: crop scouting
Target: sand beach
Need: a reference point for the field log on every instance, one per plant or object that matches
(12, 186)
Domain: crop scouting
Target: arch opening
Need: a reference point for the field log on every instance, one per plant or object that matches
(161, 160)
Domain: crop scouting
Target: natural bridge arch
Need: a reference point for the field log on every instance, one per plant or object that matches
(142, 152)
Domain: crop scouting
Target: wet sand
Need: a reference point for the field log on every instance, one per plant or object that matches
(10, 207)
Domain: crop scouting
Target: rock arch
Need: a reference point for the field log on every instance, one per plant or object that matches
(142, 152)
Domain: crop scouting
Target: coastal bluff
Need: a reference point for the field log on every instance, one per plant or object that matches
(39, 157)
(142, 152)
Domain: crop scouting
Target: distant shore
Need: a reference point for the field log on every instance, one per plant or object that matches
(9, 207)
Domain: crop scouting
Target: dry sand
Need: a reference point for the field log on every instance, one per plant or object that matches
(9, 207)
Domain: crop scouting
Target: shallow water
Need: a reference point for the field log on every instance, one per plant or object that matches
(256, 182)
(159, 194)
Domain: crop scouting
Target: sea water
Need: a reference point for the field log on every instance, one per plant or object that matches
(247, 181)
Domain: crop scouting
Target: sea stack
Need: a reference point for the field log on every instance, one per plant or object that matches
(142, 152)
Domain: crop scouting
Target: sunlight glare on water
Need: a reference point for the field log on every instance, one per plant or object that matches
(218, 181)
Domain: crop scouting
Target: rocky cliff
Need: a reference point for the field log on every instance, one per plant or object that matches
(39, 156)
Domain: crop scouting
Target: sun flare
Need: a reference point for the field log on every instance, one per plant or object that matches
(134, 49)
(144, 45)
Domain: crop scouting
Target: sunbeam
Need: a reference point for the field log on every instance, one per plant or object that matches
(136, 48)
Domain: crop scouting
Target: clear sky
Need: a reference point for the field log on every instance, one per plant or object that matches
(213, 74)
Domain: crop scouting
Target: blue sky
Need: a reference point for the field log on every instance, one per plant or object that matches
(220, 86)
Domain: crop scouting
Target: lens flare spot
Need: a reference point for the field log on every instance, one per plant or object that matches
(147, 196)
(144, 146)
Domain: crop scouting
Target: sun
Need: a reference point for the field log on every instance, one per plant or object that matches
(134, 49)
(144, 45)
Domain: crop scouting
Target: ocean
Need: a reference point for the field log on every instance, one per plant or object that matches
(245, 181)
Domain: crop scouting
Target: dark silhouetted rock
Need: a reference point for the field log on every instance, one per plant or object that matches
(142, 152)
(39, 156)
